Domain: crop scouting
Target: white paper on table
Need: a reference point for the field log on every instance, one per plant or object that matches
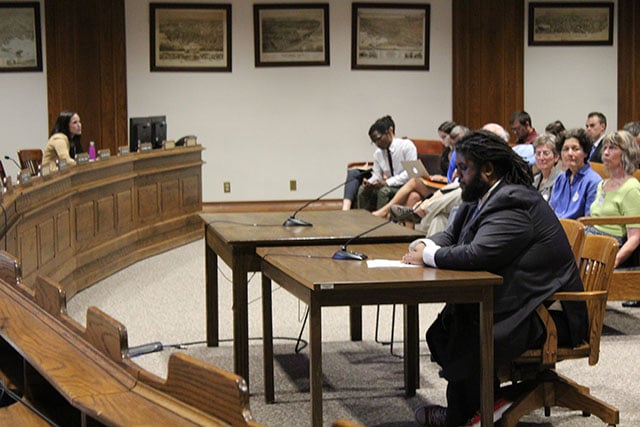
(381, 263)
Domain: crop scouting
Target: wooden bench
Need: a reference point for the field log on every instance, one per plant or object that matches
(72, 373)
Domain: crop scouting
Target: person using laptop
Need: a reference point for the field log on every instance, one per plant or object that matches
(387, 175)
(416, 190)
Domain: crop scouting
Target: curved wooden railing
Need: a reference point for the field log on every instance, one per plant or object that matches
(81, 224)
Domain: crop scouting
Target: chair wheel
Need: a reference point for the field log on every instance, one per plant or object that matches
(586, 413)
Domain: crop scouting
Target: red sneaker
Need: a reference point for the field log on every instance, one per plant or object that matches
(499, 408)
(431, 416)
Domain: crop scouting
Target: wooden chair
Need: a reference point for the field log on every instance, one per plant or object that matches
(30, 159)
(625, 284)
(535, 382)
(575, 234)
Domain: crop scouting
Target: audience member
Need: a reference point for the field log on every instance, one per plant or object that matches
(416, 189)
(634, 129)
(444, 130)
(546, 163)
(619, 195)
(596, 127)
(520, 123)
(433, 214)
(555, 128)
(388, 175)
(64, 140)
(505, 227)
(575, 189)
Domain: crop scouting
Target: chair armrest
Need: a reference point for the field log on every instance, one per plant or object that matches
(549, 350)
(579, 296)
(618, 220)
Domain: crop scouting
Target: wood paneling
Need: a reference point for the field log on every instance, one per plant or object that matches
(628, 61)
(86, 67)
(80, 225)
(488, 60)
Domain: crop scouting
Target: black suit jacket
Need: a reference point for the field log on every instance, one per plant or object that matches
(596, 156)
(517, 236)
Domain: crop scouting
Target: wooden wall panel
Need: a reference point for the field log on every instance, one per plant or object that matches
(628, 61)
(85, 220)
(148, 203)
(86, 67)
(46, 241)
(488, 60)
(63, 231)
(191, 191)
(106, 216)
(170, 196)
(124, 214)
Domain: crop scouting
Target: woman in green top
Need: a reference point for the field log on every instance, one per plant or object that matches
(619, 195)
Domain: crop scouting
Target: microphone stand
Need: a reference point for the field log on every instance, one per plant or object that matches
(14, 162)
(292, 221)
(345, 254)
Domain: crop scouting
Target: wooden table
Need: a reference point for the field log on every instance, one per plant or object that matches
(310, 274)
(235, 236)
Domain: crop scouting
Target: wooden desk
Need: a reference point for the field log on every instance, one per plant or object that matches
(310, 274)
(86, 222)
(235, 236)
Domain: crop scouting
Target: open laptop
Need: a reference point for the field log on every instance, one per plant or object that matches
(415, 169)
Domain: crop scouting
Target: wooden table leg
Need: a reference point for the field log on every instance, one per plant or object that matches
(267, 340)
(486, 358)
(411, 350)
(355, 320)
(240, 319)
(315, 362)
(211, 290)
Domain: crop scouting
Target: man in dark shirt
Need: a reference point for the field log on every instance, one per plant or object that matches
(503, 226)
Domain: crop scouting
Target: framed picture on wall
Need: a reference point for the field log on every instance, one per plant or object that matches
(190, 37)
(570, 24)
(390, 36)
(291, 34)
(20, 37)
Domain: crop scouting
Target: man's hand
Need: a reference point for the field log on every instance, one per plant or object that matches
(414, 256)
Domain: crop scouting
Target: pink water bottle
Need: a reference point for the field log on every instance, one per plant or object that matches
(92, 150)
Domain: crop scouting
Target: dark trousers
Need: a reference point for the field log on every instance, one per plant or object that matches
(454, 343)
(352, 183)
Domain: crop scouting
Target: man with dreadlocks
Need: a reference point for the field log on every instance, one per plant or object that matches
(503, 226)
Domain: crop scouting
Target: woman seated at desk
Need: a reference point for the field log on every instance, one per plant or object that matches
(64, 142)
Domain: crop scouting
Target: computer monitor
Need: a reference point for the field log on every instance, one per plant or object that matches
(139, 132)
(151, 129)
(158, 130)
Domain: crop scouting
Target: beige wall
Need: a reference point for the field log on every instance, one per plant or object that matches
(265, 126)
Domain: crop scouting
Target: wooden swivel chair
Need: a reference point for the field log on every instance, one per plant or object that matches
(574, 230)
(30, 159)
(535, 382)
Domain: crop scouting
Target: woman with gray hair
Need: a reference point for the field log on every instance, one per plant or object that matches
(547, 163)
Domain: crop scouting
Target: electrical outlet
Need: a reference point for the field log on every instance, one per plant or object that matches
(293, 185)
(227, 187)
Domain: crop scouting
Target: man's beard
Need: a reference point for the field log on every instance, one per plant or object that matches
(475, 189)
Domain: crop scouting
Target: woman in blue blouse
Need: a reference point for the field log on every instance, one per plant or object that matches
(574, 190)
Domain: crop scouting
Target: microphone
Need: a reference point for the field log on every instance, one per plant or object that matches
(346, 254)
(292, 221)
(14, 162)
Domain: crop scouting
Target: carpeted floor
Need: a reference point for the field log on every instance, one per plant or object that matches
(162, 299)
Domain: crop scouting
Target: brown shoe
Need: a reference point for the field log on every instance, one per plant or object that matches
(404, 214)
